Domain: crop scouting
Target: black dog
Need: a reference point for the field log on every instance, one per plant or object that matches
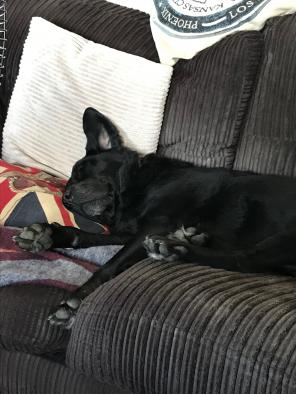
(231, 220)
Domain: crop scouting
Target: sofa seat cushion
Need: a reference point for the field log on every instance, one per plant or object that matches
(208, 101)
(26, 373)
(169, 328)
(268, 144)
(23, 319)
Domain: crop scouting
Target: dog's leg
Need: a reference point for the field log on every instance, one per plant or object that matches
(39, 237)
(274, 254)
(130, 254)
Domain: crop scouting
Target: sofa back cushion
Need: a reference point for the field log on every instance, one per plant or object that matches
(208, 101)
(268, 144)
(97, 20)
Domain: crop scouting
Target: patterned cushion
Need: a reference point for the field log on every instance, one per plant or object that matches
(29, 195)
(183, 28)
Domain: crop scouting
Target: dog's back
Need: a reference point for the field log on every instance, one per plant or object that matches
(236, 208)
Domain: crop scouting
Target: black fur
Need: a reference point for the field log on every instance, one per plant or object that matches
(250, 219)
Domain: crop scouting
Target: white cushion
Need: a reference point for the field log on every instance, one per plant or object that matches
(182, 28)
(60, 75)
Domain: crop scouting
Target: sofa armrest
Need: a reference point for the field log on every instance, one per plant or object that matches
(169, 328)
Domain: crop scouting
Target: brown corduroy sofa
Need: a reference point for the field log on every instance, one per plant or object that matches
(170, 328)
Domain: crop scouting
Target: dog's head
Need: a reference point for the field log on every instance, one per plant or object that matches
(101, 177)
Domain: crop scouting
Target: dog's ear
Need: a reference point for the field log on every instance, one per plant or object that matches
(101, 134)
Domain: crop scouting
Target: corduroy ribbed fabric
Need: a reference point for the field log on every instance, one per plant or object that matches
(178, 329)
(23, 319)
(208, 100)
(268, 143)
(63, 74)
(97, 20)
(22, 373)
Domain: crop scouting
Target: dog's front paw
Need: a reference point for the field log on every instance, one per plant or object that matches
(65, 314)
(161, 248)
(35, 238)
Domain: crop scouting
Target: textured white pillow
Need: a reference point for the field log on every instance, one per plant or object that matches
(182, 28)
(60, 75)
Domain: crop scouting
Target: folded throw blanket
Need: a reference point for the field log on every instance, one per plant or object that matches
(50, 268)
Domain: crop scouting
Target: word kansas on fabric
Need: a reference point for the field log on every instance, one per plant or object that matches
(182, 28)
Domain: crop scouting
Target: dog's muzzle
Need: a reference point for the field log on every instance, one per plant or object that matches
(78, 201)
(96, 207)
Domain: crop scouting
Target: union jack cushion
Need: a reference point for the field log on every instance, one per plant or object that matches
(29, 195)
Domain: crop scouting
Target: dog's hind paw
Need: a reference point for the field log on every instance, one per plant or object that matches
(190, 235)
(175, 245)
(35, 238)
(65, 314)
(164, 249)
